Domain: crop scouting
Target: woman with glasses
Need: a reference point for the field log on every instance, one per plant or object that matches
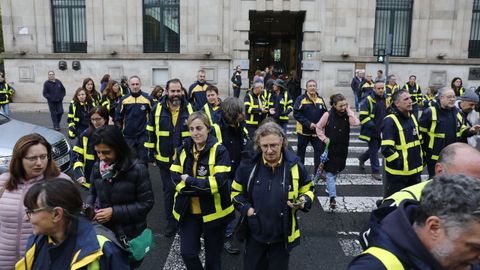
(121, 192)
(268, 191)
(62, 237)
(202, 199)
(31, 162)
(83, 156)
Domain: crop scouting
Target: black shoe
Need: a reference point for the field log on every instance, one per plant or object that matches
(57, 128)
(361, 164)
(171, 229)
(333, 203)
(229, 247)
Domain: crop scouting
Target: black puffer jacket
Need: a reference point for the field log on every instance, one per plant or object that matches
(129, 194)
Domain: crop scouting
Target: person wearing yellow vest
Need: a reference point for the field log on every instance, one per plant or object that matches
(280, 103)
(62, 237)
(441, 125)
(439, 232)
(196, 92)
(202, 198)
(366, 88)
(6, 95)
(401, 145)
(212, 107)
(78, 119)
(268, 191)
(256, 107)
(457, 86)
(391, 86)
(415, 92)
(167, 128)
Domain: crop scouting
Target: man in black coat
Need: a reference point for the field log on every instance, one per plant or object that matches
(54, 92)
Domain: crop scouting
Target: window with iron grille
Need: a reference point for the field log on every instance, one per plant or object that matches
(69, 30)
(474, 43)
(393, 17)
(161, 26)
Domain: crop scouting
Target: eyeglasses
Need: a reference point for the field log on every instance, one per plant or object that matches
(104, 152)
(51, 74)
(96, 119)
(450, 97)
(35, 158)
(29, 212)
(273, 146)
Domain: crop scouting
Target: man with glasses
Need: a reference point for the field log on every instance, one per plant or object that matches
(441, 125)
(54, 92)
(440, 232)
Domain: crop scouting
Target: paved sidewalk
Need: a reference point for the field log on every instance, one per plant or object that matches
(33, 107)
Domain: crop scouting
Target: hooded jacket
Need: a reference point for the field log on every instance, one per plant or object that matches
(393, 232)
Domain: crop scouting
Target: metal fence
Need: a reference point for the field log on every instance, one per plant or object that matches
(474, 42)
(161, 26)
(395, 17)
(70, 35)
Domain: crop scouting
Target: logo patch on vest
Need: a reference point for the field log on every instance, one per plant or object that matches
(143, 108)
(414, 132)
(202, 171)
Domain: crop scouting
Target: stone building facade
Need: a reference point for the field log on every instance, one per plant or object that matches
(335, 37)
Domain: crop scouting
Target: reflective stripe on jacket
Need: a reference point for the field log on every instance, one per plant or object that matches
(253, 108)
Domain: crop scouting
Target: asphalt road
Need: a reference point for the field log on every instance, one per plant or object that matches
(328, 237)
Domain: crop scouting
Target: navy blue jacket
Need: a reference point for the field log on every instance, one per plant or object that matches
(394, 232)
(306, 112)
(80, 249)
(133, 113)
(53, 91)
(197, 95)
(356, 85)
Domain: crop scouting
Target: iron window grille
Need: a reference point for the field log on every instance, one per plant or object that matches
(395, 17)
(69, 29)
(474, 42)
(161, 26)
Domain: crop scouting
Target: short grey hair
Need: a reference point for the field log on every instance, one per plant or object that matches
(442, 91)
(455, 199)
(269, 128)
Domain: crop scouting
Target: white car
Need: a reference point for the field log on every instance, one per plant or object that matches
(11, 130)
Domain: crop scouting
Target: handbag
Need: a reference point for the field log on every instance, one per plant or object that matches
(140, 245)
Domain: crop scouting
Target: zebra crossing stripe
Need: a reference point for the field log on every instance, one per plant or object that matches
(356, 179)
(350, 204)
(175, 261)
(309, 161)
(351, 246)
(351, 149)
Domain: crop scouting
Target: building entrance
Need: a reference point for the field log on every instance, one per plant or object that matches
(276, 40)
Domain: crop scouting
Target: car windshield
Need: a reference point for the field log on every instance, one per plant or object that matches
(3, 119)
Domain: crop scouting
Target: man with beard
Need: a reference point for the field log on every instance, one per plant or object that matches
(197, 91)
(441, 125)
(440, 232)
(401, 145)
(167, 127)
(132, 116)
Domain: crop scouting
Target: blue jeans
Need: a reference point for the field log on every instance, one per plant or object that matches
(5, 109)
(372, 154)
(357, 101)
(331, 178)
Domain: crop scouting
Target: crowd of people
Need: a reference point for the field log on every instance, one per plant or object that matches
(218, 160)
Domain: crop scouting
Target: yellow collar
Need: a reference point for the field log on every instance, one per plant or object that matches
(275, 165)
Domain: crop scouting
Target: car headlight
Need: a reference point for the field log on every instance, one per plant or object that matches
(5, 161)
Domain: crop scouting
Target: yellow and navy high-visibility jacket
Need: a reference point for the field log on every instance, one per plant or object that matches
(368, 121)
(85, 249)
(307, 111)
(163, 136)
(413, 192)
(283, 105)
(367, 88)
(6, 93)
(197, 95)
(83, 156)
(296, 184)
(96, 98)
(214, 114)
(390, 90)
(253, 111)
(459, 92)
(401, 144)
(435, 123)
(428, 100)
(110, 104)
(78, 119)
(415, 93)
(124, 90)
(133, 114)
(207, 182)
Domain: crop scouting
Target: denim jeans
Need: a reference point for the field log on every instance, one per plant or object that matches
(331, 178)
(5, 109)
